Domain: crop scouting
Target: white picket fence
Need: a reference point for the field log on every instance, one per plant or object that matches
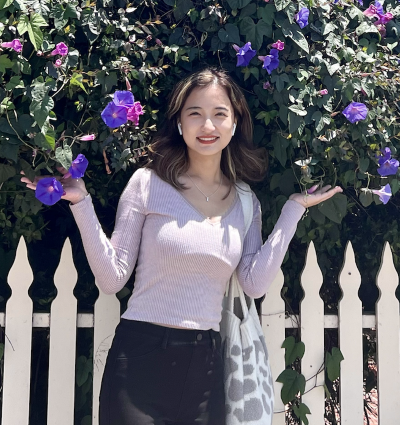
(63, 321)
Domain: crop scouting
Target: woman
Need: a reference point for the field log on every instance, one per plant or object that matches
(180, 219)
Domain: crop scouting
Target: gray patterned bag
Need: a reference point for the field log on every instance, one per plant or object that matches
(248, 381)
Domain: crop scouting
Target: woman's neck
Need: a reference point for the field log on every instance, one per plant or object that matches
(208, 169)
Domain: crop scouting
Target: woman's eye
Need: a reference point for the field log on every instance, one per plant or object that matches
(193, 113)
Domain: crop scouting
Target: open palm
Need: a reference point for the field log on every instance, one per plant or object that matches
(320, 195)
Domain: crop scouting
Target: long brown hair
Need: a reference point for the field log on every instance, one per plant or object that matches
(168, 155)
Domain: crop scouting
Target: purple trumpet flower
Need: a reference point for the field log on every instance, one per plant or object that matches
(124, 98)
(114, 115)
(244, 54)
(355, 112)
(384, 193)
(15, 45)
(78, 166)
(302, 17)
(134, 112)
(386, 155)
(388, 167)
(271, 61)
(379, 8)
(384, 19)
(49, 191)
(61, 49)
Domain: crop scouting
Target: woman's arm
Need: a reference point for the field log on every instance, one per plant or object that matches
(113, 260)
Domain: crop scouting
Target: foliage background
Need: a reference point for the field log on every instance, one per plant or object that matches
(153, 44)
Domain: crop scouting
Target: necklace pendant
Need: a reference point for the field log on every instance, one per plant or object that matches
(207, 198)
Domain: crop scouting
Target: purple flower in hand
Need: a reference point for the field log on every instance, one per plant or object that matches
(271, 61)
(384, 193)
(302, 17)
(114, 115)
(78, 166)
(134, 112)
(15, 45)
(244, 54)
(49, 190)
(379, 8)
(124, 98)
(61, 49)
(355, 112)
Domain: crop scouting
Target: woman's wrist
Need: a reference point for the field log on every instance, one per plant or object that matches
(80, 199)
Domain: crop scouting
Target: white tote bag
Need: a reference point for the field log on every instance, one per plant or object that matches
(249, 395)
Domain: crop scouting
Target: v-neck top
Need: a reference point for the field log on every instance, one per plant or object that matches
(183, 261)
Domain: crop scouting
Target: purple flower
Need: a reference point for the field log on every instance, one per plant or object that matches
(355, 112)
(58, 63)
(114, 115)
(323, 92)
(244, 54)
(388, 167)
(61, 49)
(302, 17)
(382, 30)
(386, 155)
(379, 8)
(360, 2)
(49, 190)
(271, 61)
(124, 98)
(384, 193)
(134, 112)
(371, 11)
(384, 19)
(280, 45)
(78, 166)
(15, 45)
(267, 85)
(87, 137)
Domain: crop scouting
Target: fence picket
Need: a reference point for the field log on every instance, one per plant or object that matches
(312, 334)
(351, 343)
(106, 318)
(18, 342)
(63, 343)
(273, 324)
(387, 330)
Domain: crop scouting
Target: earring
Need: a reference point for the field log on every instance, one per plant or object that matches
(180, 128)
(233, 129)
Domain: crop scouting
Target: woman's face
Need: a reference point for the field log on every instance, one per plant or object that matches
(207, 119)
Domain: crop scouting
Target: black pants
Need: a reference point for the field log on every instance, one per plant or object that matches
(156, 375)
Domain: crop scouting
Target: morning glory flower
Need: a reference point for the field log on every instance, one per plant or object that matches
(280, 45)
(386, 155)
(134, 112)
(384, 193)
(114, 115)
(271, 61)
(244, 54)
(78, 166)
(58, 63)
(371, 11)
(388, 167)
(61, 49)
(15, 45)
(384, 19)
(379, 8)
(124, 98)
(323, 92)
(360, 2)
(355, 112)
(49, 190)
(87, 137)
(302, 17)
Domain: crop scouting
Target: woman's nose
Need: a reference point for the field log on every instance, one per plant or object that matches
(208, 124)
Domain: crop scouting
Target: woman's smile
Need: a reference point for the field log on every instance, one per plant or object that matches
(207, 140)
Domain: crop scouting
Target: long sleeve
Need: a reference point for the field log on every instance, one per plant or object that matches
(113, 260)
(261, 262)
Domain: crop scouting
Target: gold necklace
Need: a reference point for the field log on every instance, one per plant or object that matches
(197, 187)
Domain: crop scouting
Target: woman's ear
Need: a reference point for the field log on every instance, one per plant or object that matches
(180, 128)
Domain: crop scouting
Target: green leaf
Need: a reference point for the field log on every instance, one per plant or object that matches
(182, 8)
(279, 80)
(64, 156)
(295, 122)
(5, 63)
(33, 27)
(6, 172)
(230, 34)
(41, 109)
(23, 24)
(5, 3)
(319, 122)
(83, 369)
(238, 4)
(364, 164)
(366, 27)
(298, 109)
(366, 198)
(293, 350)
(41, 141)
(293, 383)
(76, 80)
(281, 4)
(334, 208)
(332, 363)
(280, 144)
(15, 83)
(301, 411)
(292, 31)
(27, 169)
(255, 32)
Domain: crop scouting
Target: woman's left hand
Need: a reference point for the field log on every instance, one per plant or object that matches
(314, 197)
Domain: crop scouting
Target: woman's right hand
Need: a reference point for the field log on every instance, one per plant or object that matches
(74, 189)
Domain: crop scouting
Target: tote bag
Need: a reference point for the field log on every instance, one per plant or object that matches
(249, 395)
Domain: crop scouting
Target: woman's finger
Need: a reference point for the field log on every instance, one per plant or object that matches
(325, 188)
(62, 170)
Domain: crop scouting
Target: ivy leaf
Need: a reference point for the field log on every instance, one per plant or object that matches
(230, 34)
(279, 80)
(33, 27)
(6, 172)
(255, 32)
(182, 8)
(292, 31)
(298, 109)
(40, 109)
(5, 63)
(334, 208)
(5, 3)
(64, 156)
(293, 350)
(332, 363)
(301, 411)
(293, 383)
(27, 169)
(280, 144)
(366, 27)
(281, 4)
(238, 4)
(319, 122)
(76, 80)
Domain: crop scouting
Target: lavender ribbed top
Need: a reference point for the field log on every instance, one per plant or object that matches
(183, 260)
